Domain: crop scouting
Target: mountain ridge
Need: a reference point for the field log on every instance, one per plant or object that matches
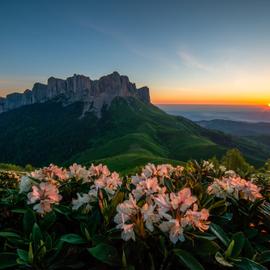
(93, 93)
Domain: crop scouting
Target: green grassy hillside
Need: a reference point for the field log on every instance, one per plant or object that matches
(129, 134)
(249, 135)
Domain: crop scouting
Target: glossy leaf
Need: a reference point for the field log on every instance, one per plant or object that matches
(105, 253)
(73, 238)
(221, 235)
(188, 260)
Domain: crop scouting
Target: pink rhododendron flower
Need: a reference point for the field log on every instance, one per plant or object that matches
(150, 216)
(79, 172)
(182, 200)
(125, 212)
(164, 170)
(236, 187)
(170, 212)
(175, 229)
(197, 218)
(51, 174)
(147, 187)
(44, 196)
(127, 230)
(99, 170)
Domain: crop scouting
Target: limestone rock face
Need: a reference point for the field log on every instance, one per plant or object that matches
(144, 94)
(93, 93)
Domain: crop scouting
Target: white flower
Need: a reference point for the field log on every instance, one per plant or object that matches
(208, 165)
(149, 170)
(79, 172)
(230, 173)
(222, 168)
(164, 205)
(176, 231)
(149, 216)
(84, 200)
(128, 207)
(135, 179)
(25, 184)
(127, 231)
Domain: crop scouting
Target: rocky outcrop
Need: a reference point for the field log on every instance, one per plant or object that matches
(93, 93)
(144, 94)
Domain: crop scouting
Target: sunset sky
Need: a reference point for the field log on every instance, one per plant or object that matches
(195, 52)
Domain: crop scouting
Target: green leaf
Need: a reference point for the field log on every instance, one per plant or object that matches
(188, 260)
(29, 219)
(205, 248)
(9, 235)
(247, 264)
(47, 221)
(36, 236)
(23, 254)
(229, 250)
(239, 242)
(62, 209)
(8, 259)
(18, 211)
(105, 253)
(264, 257)
(204, 235)
(221, 235)
(73, 238)
(30, 253)
(221, 260)
(248, 249)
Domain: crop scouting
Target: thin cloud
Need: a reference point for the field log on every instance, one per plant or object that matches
(190, 60)
(137, 49)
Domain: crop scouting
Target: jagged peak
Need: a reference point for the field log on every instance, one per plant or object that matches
(78, 88)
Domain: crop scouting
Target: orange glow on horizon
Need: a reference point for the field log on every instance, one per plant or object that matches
(207, 98)
(205, 101)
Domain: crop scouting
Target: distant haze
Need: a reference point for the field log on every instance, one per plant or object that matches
(210, 112)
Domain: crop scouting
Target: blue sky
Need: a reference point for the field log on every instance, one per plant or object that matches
(185, 51)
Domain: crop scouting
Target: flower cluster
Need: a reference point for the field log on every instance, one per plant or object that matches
(150, 206)
(52, 174)
(98, 177)
(42, 186)
(151, 180)
(232, 185)
(43, 196)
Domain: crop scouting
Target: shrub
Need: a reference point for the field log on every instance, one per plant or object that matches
(199, 216)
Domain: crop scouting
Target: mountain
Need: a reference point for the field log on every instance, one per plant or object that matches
(237, 128)
(253, 133)
(93, 93)
(121, 128)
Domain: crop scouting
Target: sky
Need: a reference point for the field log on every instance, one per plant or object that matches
(187, 52)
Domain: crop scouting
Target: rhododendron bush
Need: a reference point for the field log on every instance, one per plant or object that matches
(197, 216)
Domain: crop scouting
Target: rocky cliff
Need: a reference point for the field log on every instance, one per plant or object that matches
(93, 93)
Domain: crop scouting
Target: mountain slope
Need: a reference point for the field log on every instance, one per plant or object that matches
(256, 134)
(129, 133)
(237, 128)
